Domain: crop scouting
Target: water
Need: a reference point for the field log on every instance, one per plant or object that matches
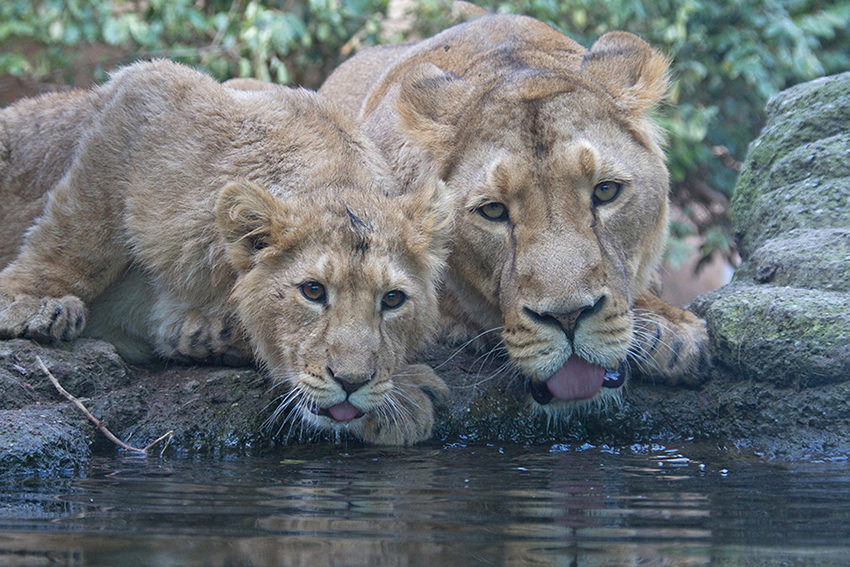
(434, 505)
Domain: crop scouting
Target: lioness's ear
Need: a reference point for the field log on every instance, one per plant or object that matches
(431, 210)
(429, 103)
(250, 219)
(628, 68)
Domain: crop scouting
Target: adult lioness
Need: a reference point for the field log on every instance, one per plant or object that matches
(204, 222)
(562, 192)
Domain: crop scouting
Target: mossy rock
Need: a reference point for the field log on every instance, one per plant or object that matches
(781, 330)
(797, 173)
(809, 259)
(787, 336)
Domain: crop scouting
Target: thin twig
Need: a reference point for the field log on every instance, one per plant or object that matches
(168, 435)
(98, 423)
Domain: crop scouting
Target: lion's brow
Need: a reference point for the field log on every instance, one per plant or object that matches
(360, 226)
(361, 230)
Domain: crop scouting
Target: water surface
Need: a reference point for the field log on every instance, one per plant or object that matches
(434, 505)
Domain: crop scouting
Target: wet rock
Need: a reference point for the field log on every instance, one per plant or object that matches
(208, 409)
(43, 439)
(781, 331)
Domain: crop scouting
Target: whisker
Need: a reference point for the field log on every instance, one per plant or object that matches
(463, 347)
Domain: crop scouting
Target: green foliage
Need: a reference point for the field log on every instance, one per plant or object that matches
(728, 56)
(287, 41)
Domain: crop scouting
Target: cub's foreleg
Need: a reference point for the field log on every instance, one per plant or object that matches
(193, 334)
(408, 415)
(69, 256)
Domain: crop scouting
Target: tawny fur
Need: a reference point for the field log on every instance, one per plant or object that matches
(184, 218)
(508, 111)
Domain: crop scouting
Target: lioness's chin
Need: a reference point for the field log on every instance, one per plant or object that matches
(556, 410)
(577, 385)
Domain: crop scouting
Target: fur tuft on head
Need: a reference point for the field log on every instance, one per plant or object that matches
(431, 210)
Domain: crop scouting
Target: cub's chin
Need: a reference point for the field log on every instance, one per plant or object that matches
(578, 384)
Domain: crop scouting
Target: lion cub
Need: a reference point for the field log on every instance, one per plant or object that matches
(195, 221)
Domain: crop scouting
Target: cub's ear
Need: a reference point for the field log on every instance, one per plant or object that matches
(629, 69)
(430, 101)
(250, 219)
(431, 210)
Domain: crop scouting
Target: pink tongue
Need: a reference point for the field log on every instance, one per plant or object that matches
(577, 379)
(343, 412)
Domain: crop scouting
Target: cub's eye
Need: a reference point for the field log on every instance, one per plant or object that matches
(493, 212)
(393, 299)
(606, 192)
(314, 291)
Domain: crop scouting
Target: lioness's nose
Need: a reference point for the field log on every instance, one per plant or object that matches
(567, 321)
(350, 382)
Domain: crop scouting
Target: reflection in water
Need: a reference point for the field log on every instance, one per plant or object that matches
(453, 505)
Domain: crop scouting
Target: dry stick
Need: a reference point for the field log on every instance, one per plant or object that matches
(98, 423)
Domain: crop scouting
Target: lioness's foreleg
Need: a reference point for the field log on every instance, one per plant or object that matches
(409, 414)
(66, 261)
(669, 342)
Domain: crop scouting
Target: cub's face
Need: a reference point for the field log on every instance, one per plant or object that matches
(564, 216)
(334, 297)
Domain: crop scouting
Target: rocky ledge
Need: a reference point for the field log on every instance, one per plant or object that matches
(780, 338)
(781, 330)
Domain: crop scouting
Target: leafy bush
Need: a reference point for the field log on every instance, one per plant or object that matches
(287, 41)
(729, 57)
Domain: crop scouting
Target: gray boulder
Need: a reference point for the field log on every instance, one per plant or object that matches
(781, 329)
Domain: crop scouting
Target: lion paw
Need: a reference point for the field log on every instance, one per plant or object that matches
(672, 343)
(204, 338)
(42, 319)
(409, 414)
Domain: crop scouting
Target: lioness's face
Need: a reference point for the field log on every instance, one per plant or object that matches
(564, 215)
(334, 302)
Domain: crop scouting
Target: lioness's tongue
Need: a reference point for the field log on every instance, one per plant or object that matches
(577, 379)
(343, 412)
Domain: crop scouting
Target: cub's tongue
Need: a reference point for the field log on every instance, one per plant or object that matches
(343, 412)
(577, 379)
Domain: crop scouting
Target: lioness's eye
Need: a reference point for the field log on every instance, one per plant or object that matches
(313, 291)
(606, 192)
(493, 212)
(393, 299)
